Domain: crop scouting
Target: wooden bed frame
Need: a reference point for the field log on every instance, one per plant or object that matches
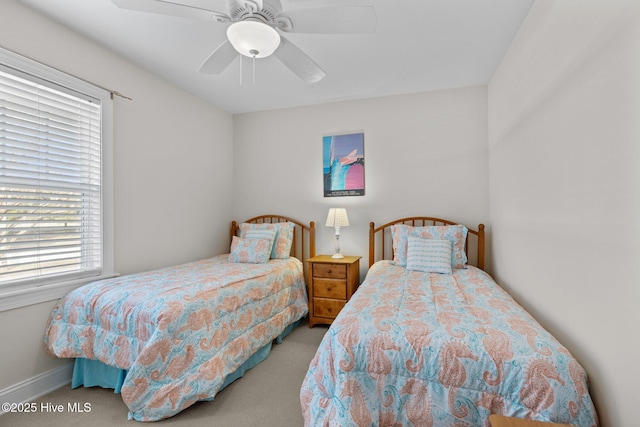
(385, 247)
(304, 236)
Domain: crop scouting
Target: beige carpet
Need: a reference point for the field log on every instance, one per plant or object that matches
(267, 395)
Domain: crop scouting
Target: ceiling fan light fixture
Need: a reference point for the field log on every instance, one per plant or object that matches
(253, 39)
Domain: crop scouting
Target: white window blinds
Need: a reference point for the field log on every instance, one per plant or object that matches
(50, 181)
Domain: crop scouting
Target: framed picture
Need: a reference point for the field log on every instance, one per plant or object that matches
(343, 165)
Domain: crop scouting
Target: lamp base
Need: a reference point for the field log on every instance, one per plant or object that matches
(337, 256)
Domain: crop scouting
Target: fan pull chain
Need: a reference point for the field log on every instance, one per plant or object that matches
(254, 53)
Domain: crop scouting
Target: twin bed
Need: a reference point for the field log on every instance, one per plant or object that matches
(430, 340)
(427, 340)
(167, 338)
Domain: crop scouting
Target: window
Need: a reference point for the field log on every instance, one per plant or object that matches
(53, 153)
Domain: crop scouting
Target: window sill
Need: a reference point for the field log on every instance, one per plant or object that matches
(16, 298)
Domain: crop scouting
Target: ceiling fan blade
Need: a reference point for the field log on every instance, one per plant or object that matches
(164, 7)
(219, 60)
(330, 20)
(298, 62)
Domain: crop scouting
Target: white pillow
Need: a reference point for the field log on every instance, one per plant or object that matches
(429, 255)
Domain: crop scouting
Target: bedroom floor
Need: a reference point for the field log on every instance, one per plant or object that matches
(267, 395)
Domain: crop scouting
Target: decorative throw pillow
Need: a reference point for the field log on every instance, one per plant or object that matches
(457, 234)
(262, 233)
(283, 240)
(429, 255)
(254, 251)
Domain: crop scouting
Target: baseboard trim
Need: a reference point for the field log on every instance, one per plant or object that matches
(35, 387)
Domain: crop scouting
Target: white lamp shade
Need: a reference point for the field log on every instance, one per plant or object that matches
(253, 39)
(337, 218)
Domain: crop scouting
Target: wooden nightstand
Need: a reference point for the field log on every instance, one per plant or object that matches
(332, 281)
(502, 421)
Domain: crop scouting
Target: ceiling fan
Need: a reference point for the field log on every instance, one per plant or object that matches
(256, 26)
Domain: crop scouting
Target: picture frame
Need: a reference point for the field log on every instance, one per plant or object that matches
(343, 165)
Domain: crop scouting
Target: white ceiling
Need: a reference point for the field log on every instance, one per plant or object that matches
(419, 45)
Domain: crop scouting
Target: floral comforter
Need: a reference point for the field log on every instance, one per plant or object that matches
(413, 348)
(179, 331)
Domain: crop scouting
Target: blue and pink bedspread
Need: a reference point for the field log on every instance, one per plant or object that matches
(178, 331)
(413, 348)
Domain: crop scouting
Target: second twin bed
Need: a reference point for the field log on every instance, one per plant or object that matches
(430, 340)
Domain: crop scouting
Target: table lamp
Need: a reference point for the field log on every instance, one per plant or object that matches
(337, 218)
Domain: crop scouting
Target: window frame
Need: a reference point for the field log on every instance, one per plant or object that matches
(24, 294)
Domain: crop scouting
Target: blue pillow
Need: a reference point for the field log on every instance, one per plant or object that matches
(429, 255)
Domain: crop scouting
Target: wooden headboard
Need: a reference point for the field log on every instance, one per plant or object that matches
(380, 242)
(304, 236)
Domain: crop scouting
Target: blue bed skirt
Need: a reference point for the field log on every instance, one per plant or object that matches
(93, 373)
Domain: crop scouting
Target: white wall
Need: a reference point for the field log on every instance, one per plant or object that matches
(564, 123)
(172, 183)
(173, 163)
(425, 154)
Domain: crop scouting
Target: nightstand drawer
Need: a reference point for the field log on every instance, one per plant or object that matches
(327, 307)
(331, 271)
(328, 288)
